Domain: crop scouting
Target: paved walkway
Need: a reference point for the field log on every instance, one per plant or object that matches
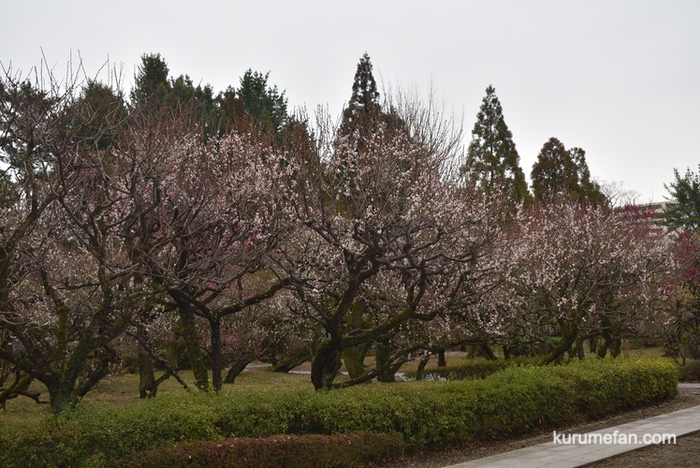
(560, 455)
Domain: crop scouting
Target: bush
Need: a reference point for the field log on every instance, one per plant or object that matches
(421, 414)
(512, 401)
(519, 399)
(342, 450)
(605, 386)
(73, 438)
(690, 372)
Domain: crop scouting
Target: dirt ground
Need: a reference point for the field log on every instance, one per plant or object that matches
(685, 453)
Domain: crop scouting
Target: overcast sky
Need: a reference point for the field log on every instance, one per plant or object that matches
(620, 79)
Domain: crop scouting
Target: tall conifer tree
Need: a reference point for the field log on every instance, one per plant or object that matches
(151, 80)
(493, 163)
(559, 172)
(363, 109)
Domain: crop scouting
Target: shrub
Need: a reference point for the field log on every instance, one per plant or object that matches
(342, 450)
(512, 401)
(73, 438)
(421, 414)
(259, 414)
(605, 385)
(690, 372)
(519, 399)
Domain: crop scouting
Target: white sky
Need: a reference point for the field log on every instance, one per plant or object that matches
(618, 78)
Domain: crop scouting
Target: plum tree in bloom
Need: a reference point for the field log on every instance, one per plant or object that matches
(217, 213)
(579, 273)
(682, 335)
(383, 242)
(26, 116)
(67, 288)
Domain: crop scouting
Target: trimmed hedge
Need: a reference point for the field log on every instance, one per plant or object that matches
(308, 451)
(513, 401)
(607, 385)
(473, 369)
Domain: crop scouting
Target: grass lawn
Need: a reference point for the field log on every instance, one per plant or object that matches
(122, 389)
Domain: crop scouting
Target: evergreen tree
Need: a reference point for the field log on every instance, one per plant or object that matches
(233, 112)
(155, 91)
(561, 173)
(364, 109)
(255, 105)
(22, 98)
(493, 163)
(151, 80)
(99, 109)
(264, 104)
(199, 100)
(683, 213)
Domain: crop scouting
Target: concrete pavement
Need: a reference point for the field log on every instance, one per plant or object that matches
(568, 450)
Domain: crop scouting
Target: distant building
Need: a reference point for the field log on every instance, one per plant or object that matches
(658, 209)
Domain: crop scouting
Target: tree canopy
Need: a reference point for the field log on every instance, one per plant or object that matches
(134, 229)
(561, 173)
(263, 103)
(493, 163)
(683, 213)
(364, 106)
(151, 79)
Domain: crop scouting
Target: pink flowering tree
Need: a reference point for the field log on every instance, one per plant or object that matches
(27, 116)
(385, 239)
(68, 288)
(682, 335)
(580, 273)
(211, 214)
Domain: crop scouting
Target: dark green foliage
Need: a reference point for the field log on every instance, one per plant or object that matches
(683, 213)
(264, 104)
(493, 163)
(258, 107)
(363, 110)
(509, 402)
(151, 80)
(605, 386)
(26, 112)
(255, 104)
(199, 100)
(341, 450)
(28, 115)
(154, 91)
(561, 173)
(99, 112)
(690, 372)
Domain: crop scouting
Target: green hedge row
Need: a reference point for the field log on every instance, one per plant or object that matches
(473, 369)
(513, 401)
(605, 386)
(306, 451)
